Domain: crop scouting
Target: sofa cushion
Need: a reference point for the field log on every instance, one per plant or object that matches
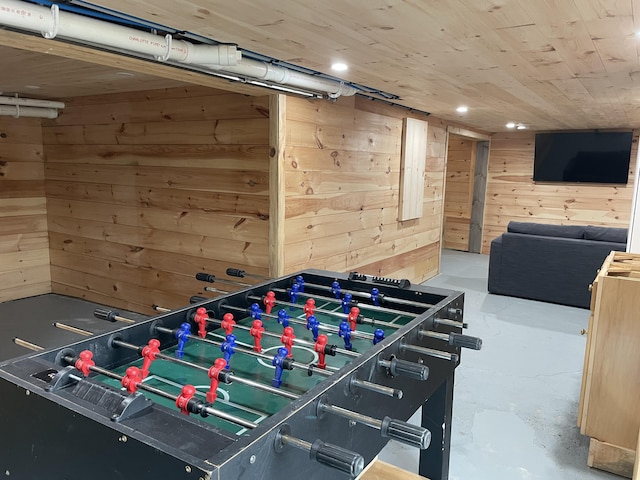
(564, 231)
(606, 234)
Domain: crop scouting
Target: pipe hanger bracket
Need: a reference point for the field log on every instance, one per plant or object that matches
(55, 23)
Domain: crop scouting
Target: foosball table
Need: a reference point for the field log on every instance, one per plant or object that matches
(304, 376)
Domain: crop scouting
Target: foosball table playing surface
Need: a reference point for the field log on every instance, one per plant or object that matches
(304, 376)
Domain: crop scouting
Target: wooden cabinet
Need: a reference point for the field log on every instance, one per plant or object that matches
(609, 408)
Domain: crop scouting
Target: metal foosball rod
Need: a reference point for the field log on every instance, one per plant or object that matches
(289, 364)
(413, 435)
(325, 328)
(353, 304)
(24, 343)
(333, 456)
(232, 376)
(354, 382)
(454, 339)
(84, 364)
(297, 341)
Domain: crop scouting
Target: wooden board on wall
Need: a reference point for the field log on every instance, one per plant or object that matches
(145, 193)
(342, 191)
(512, 194)
(24, 249)
(412, 165)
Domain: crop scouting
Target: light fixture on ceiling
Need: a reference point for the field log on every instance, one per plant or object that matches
(339, 67)
(520, 126)
(32, 87)
(125, 74)
(462, 109)
(510, 125)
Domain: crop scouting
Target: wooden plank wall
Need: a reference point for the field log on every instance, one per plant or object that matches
(458, 194)
(512, 195)
(24, 247)
(342, 179)
(145, 189)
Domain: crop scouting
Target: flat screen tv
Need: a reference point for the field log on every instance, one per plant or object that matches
(589, 157)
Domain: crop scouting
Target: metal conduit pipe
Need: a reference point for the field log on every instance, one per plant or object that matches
(30, 102)
(53, 22)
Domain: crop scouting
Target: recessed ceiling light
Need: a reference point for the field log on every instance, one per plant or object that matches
(510, 125)
(462, 109)
(339, 67)
(521, 127)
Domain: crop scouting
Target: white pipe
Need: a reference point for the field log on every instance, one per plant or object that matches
(34, 112)
(221, 58)
(276, 74)
(53, 22)
(30, 102)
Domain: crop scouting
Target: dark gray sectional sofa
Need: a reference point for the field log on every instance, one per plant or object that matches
(551, 263)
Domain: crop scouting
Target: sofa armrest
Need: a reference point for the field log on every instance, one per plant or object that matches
(495, 261)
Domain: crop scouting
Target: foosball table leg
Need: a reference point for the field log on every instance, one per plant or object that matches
(436, 416)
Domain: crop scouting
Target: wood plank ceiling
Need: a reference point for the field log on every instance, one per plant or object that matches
(551, 65)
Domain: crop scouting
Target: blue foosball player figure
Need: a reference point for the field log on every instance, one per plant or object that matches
(378, 336)
(345, 333)
(182, 334)
(278, 362)
(300, 282)
(228, 348)
(294, 291)
(335, 289)
(375, 296)
(255, 311)
(283, 318)
(313, 324)
(346, 302)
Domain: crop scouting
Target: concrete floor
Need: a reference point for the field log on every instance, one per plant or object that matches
(516, 400)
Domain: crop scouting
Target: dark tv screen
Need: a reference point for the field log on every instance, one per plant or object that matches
(589, 157)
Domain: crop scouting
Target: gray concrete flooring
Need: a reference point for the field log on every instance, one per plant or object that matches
(516, 400)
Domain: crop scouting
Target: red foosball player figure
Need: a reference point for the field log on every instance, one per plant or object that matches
(287, 339)
(182, 402)
(228, 323)
(352, 318)
(219, 365)
(319, 347)
(85, 362)
(309, 307)
(132, 378)
(201, 317)
(269, 301)
(149, 354)
(256, 332)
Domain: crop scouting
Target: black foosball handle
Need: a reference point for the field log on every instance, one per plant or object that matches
(205, 277)
(416, 371)
(197, 299)
(465, 341)
(337, 457)
(105, 314)
(407, 433)
(236, 272)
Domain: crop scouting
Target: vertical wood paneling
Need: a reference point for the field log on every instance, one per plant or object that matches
(342, 186)
(144, 192)
(24, 247)
(512, 194)
(458, 195)
(277, 143)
